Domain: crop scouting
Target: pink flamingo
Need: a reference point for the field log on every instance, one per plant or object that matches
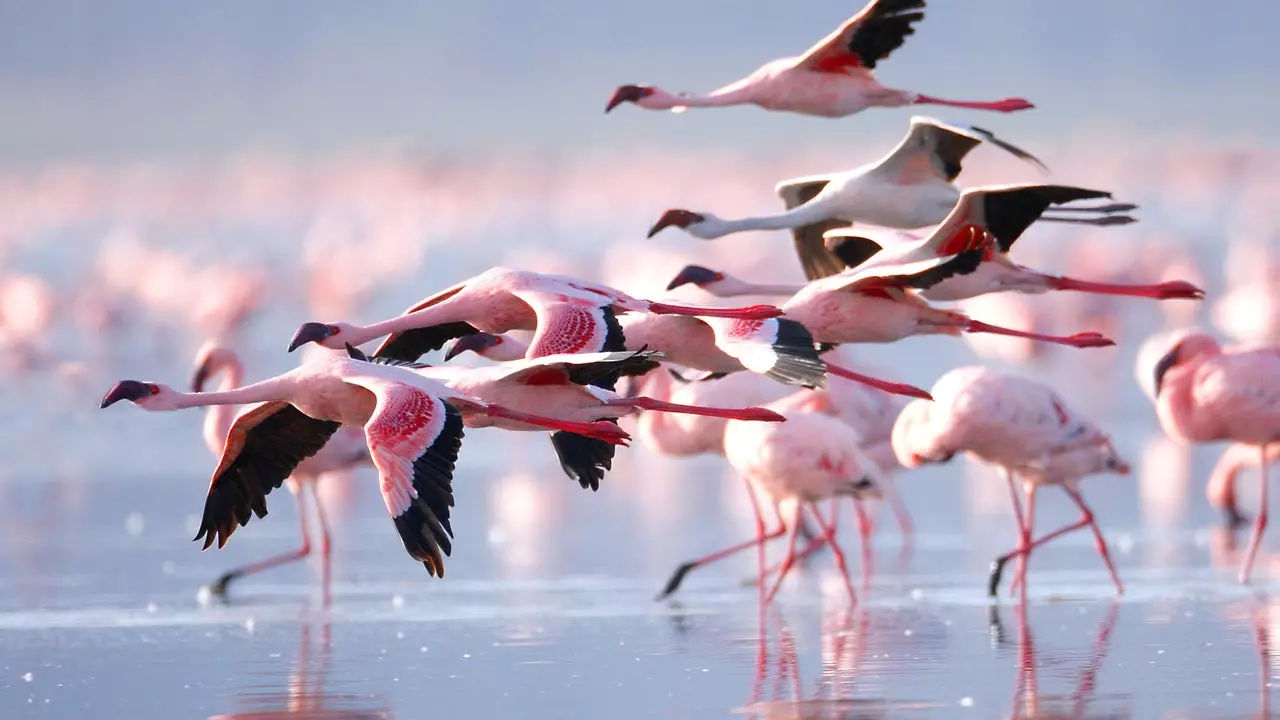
(569, 315)
(878, 305)
(831, 79)
(1207, 393)
(911, 187)
(780, 349)
(1221, 488)
(345, 450)
(413, 427)
(1023, 427)
(809, 458)
(564, 387)
(1001, 213)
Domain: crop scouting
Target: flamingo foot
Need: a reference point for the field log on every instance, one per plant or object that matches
(751, 312)
(1079, 340)
(1172, 290)
(1006, 105)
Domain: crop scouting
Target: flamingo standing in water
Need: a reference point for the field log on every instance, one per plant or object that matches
(413, 427)
(1023, 427)
(345, 450)
(878, 305)
(831, 79)
(911, 187)
(1207, 393)
(796, 464)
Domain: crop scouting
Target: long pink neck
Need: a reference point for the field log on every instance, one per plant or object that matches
(735, 94)
(448, 311)
(272, 389)
(218, 419)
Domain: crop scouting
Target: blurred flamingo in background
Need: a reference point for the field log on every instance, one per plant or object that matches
(831, 79)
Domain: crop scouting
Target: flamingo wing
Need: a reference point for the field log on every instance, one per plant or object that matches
(778, 348)
(934, 150)
(580, 368)
(1003, 212)
(412, 344)
(852, 249)
(919, 274)
(571, 326)
(866, 38)
(414, 438)
(263, 447)
(815, 258)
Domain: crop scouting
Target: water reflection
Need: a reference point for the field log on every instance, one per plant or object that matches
(305, 694)
(1029, 702)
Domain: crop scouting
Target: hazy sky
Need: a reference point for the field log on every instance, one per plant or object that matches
(128, 78)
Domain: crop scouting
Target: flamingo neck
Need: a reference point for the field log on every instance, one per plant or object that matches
(736, 94)
(445, 312)
(273, 389)
(1176, 407)
(806, 214)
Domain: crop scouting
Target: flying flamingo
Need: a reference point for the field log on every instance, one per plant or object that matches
(780, 349)
(809, 458)
(413, 427)
(346, 449)
(569, 316)
(1025, 428)
(877, 305)
(560, 386)
(1206, 393)
(831, 79)
(911, 187)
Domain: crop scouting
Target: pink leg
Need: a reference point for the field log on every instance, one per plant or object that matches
(829, 532)
(326, 545)
(1172, 290)
(790, 558)
(751, 312)
(219, 587)
(1024, 533)
(599, 430)
(748, 413)
(1079, 340)
(865, 527)
(892, 388)
(1259, 523)
(1099, 543)
(1083, 522)
(1005, 106)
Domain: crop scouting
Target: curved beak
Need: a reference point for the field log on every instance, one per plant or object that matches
(867, 489)
(628, 93)
(310, 332)
(677, 218)
(475, 342)
(130, 390)
(694, 274)
(1166, 363)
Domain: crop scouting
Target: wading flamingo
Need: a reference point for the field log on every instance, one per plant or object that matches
(1021, 426)
(346, 449)
(831, 79)
(413, 427)
(1207, 393)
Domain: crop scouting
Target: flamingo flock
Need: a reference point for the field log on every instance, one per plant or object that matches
(770, 388)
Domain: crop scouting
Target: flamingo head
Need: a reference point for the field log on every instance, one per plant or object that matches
(210, 359)
(331, 335)
(630, 93)
(148, 396)
(695, 275)
(486, 345)
(684, 219)
(1184, 347)
(915, 440)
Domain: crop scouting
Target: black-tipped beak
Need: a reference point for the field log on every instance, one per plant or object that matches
(130, 390)
(678, 218)
(867, 489)
(310, 332)
(475, 342)
(1166, 363)
(627, 93)
(695, 275)
(200, 376)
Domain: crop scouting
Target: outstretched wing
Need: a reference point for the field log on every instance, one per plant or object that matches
(815, 258)
(572, 326)
(866, 38)
(414, 439)
(933, 149)
(579, 369)
(778, 348)
(263, 447)
(918, 275)
(1004, 212)
(412, 344)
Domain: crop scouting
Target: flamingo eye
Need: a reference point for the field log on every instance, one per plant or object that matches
(719, 276)
(155, 390)
(335, 329)
(497, 341)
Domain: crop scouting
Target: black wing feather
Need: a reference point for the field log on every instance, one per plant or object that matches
(413, 344)
(424, 527)
(885, 29)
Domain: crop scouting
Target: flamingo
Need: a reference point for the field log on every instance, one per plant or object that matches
(911, 187)
(561, 386)
(346, 449)
(796, 464)
(413, 427)
(1221, 488)
(877, 304)
(1025, 428)
(568, 314)
(831, 79)
(780, 349)
(1207, 393)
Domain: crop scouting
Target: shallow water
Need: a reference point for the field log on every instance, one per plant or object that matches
(548, 607)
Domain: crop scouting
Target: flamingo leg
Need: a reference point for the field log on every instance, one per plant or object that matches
(1024, 534)
(1174, 289)
(1086, 520)
(1079, 340)
(892, 388)
(1259, 522)
(1099, 543)
(326, 545)
(600, 430)
(747, 413)
(865, 528)
(790, 559)
(829, 532)
(219, 587)
(1006, 105)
